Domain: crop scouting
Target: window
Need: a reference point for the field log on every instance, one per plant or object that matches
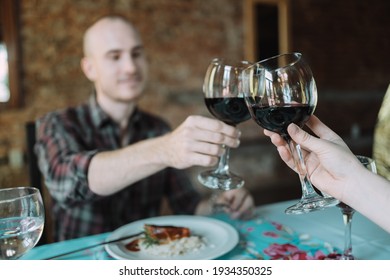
(4, 80)
(10, 85)
(267, 28)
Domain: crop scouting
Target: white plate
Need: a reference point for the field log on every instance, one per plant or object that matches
(220, 237)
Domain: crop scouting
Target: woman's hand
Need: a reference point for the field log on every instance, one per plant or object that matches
(329, 161)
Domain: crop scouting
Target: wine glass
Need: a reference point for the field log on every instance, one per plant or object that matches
(290, 96)
(348, 212)
(21, 221)
(225, 101)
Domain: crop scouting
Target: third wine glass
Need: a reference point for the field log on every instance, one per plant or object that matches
(290, 96)
(21, 221)
(348, 212)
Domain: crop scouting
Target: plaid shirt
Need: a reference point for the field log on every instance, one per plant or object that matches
(66, 142)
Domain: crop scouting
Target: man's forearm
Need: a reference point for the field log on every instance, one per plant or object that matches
(112, 171)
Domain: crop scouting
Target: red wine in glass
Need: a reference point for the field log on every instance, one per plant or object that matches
(225, 100)
(277, 119)
(230, 110)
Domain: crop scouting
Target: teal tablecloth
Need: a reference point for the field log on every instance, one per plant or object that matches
(260, 238)
(264, 239)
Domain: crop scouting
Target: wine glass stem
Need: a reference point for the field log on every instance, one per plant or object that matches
(223, 164)
(347, 218)
(296, 152)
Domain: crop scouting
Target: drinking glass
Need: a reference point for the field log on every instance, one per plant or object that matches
(21, 221)
(348, 212)
(225, 101)
(290, 96)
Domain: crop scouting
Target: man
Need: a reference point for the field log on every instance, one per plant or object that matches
(106, 162)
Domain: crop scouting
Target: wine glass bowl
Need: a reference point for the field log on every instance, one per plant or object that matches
(289, 95)
(21, 221)
(224, 99)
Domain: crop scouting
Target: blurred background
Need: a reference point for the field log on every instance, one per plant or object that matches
(346, 42)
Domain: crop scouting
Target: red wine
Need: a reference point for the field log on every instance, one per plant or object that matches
(277, 119)
(230, 110)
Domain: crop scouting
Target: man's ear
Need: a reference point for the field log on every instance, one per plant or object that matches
(88, 69)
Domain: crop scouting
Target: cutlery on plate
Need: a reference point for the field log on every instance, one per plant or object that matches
(95, 245)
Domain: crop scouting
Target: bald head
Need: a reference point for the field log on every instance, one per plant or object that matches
(115, 61)
(102, 27)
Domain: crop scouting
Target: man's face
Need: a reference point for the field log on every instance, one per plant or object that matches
(116, 59)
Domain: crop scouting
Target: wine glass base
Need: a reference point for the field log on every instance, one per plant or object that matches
(347, 257)
(213, 180)
(340, 257)
(311, 204)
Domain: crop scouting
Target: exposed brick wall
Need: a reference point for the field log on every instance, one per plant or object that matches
(346, 42)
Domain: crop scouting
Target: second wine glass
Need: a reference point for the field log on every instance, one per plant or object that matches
(289, 95)
(225, 101)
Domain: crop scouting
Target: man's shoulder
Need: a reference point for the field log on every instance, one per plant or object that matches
(82, 107)
(63, 115)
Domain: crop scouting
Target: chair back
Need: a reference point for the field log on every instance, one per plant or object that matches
(33, 170)
(35, 178)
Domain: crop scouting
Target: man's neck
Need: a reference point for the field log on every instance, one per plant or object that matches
(118, 111)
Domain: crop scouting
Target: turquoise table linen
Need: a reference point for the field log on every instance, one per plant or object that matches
(269, 235)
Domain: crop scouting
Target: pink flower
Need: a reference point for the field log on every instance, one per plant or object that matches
(285, 252)
(277, 225)
(250, 229)
(319, 255)
(271, 234)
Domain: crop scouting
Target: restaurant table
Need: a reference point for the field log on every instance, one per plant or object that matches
(270, 235)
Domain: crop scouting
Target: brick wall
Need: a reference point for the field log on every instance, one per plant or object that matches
(346, 42)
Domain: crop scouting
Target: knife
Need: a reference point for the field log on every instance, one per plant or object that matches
(95, 245)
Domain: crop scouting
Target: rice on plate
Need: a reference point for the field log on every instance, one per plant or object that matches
(166, 241)
(174, 248)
